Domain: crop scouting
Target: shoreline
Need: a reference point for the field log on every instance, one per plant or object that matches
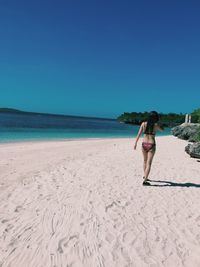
(71, 139)
(82, 204)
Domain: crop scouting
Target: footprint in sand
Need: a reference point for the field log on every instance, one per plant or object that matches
(18, 208)
(109, 238)
(63, 245)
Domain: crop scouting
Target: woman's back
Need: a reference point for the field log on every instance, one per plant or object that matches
(149, 132)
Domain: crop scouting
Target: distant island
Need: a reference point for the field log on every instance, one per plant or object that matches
(16, 111)
(10, 110)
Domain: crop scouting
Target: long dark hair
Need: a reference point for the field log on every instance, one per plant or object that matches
(152, 119)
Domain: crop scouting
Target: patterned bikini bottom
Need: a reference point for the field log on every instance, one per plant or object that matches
(149, 147)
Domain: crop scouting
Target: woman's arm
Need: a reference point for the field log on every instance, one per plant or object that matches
(160, 127)
(139, 134)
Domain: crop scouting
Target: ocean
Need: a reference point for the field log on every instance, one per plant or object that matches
(17, 127)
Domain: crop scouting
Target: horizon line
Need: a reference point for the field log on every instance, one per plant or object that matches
(14, 110)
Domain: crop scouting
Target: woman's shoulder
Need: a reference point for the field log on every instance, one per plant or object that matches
(143, 125)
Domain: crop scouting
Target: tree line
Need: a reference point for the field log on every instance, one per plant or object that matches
(167, 120)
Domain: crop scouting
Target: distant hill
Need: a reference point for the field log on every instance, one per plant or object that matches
(10, 110)
(15, 111)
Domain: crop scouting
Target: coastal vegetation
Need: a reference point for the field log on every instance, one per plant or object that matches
(167, 120)
(196, 115)
(198, 135)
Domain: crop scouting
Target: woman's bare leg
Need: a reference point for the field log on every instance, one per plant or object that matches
(150, 156)
(145, 154)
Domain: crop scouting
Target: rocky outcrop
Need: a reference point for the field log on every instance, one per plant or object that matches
(193, 150)
(187, 131)
(190, 132)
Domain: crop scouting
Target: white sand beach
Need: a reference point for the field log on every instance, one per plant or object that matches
(82, 204)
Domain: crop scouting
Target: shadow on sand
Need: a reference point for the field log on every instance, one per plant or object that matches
(168, 183)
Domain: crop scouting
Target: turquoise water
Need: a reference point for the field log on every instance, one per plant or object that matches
(19, 127)
(17, 135)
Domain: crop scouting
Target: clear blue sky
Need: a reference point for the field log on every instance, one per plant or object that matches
(100, 58)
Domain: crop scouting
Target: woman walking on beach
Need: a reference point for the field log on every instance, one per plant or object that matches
(149, 129)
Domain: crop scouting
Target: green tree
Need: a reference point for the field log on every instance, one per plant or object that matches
(196, 116)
